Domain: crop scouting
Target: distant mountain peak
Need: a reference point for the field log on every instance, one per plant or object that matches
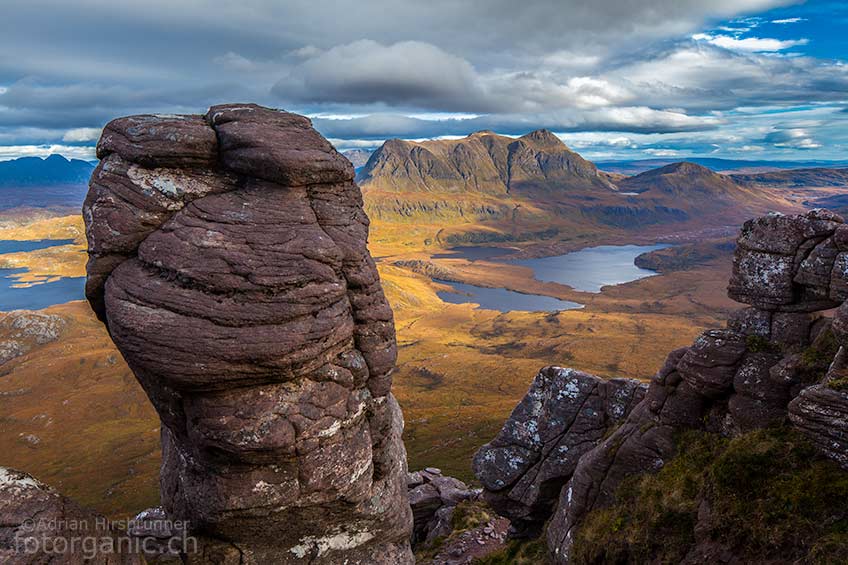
(483, 162)
(544, 138)
(683, 167)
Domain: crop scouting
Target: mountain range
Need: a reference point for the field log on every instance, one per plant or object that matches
(54, 182)
(515, 186)
(634, 167)
(35, 171)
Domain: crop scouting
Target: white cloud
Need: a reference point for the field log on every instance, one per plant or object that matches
(794, 138)
(662, 152)
(789, 21)
(79, 135)
(8, 152)
(749, 44)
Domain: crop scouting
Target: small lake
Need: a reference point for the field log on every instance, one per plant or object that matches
(502, 299)
(587, 270)
(592, 268)
(11, 246)
(37, 296)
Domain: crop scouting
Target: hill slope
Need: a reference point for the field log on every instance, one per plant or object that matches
(487, 188)
(816, 177)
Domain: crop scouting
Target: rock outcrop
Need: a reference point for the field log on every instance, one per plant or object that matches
(563, 416)
(433, 498)
(21, 330)
(39, 525)
(227, 256)
(777, 361)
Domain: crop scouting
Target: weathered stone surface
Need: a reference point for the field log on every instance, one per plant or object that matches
(433, 497)
(21, 330)
(736, 380)
(788, 262)
(815, 269)
(821, 413)
(276, 146)
(709, 365)
(160, 141)
(750, 321)
(39, 525)
(564, 414)
(239, 288)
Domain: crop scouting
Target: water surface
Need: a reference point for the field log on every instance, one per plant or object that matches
(502, 299)
(37, 296)
(12, 246)
(592, 268)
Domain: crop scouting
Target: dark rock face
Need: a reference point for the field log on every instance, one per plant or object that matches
(822, 414)
(768, 367)
(563, 416)
(433, 498)
(227, 255)
(39, 525)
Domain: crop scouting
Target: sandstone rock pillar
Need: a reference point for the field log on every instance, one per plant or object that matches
(227, 256)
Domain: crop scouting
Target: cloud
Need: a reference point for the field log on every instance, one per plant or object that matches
(789, 21)
(699, 76)
(631, 119)
(662, 152)
(795, 138)
(408, 73)
(80, 135)
(8, 152)
(405, 68)
(751, 44)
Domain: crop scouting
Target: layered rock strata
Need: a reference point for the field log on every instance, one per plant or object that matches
(227, 256)
(777, 361)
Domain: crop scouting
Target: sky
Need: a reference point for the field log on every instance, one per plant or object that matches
(615, 79)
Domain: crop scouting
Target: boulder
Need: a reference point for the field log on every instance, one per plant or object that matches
(563, 415)
(433, 497)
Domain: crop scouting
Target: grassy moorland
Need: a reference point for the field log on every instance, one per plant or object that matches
(461, 370)
(44, 265)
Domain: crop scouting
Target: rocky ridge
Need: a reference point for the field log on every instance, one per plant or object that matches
(777, 361)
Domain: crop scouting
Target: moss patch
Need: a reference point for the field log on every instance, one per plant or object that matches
(759, 344)
(765, 495)
(816, 359)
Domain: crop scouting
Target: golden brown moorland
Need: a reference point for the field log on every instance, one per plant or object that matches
(460, 369)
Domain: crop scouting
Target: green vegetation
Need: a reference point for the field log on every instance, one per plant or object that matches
(816, 359)
(471, 514)
(467, 515)
(840, 383)
(518, 552)
(759, 344)
(765, 495)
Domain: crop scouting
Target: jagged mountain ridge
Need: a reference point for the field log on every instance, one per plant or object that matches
(483, 162)
(536, 180)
